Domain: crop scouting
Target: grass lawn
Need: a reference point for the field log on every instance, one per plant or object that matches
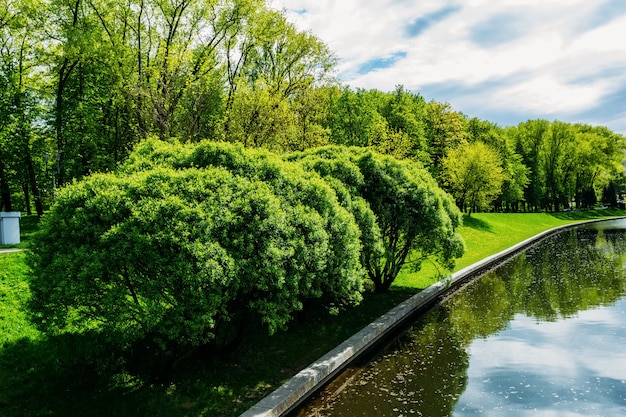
(486, 234)
(37, 379)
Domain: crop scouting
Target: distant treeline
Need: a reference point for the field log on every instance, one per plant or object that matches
(82, 82)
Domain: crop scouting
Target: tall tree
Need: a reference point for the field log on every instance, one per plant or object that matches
(559, 164)
(445, 129)
(514, 170)
(473, 172)
(258, 118)
(529, 138)
(21, 150)
(274, 63)
(406, 112)
(283, 59)
(311, 109)
(598, 159)
(351, 115)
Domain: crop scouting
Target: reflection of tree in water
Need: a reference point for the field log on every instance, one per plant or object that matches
(424, 374)
(573, 271)
(425, 371)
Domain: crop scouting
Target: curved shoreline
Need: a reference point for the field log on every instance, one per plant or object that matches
(297, 389)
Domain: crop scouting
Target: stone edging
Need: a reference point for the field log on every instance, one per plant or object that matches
(291, 394)
(10, 250)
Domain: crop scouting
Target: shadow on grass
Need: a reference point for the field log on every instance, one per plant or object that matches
(476, 224)
(50, 376)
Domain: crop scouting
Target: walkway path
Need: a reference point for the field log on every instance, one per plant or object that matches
(9, 250)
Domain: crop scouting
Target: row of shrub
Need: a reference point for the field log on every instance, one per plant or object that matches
(186, 244)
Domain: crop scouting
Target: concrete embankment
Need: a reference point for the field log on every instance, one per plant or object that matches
(297, 389)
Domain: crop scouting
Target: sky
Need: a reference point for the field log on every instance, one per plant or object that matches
(564, 368)
(502, 61)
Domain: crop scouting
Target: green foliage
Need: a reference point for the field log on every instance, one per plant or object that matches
(187, 255)
(94, 78)
(474, 174)
(413, 215)
(307, 199)
(445, 130)
(567, 161)
(515, 172)
(88, 80)
(258, 118)
(36, 381)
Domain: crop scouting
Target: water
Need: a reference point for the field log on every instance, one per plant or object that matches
(542, 335)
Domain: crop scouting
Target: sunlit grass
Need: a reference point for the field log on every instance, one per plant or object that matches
(486, 234)
(14, 293)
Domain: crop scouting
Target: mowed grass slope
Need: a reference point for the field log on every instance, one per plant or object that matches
(486, 234)
(35, 380)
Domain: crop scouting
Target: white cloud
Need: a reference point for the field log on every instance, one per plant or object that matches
(561, 368)
(558, 59)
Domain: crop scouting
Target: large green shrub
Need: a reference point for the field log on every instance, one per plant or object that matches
(305, 196)
(175, 256)
(415, 219)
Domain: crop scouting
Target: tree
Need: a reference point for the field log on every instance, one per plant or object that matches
(415, 217)
(21, 152)
(388, 141)
(275, 64)
(530, 138)
(559, 165)
(351, 115)
(258, 118)
(598, 160)
(445, 129)
(609, 195)
(311, 110)
(474, 174)
(405, 113)
(515, 172)
(283, 59)
(178, 256)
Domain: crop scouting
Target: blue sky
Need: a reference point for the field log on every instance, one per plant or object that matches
(506, 62)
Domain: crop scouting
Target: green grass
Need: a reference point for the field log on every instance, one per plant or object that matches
(486, 234)
(38, 378)
(14, 293)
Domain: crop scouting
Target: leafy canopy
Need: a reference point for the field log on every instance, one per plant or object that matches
(413, 216)
(178, 256)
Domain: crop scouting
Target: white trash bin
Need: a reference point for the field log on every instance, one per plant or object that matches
(10, 227)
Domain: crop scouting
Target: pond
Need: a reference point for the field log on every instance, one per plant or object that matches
(543, 334)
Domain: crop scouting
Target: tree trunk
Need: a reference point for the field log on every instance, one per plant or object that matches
(5, 190)
(26, 197)
(32, 179)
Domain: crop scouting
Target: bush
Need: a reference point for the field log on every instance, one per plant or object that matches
(414, 217)
(176, 257)
(305, 197)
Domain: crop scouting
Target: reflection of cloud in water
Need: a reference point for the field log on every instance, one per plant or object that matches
(572, 367)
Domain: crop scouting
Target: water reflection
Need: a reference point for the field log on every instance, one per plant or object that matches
(542, 334)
